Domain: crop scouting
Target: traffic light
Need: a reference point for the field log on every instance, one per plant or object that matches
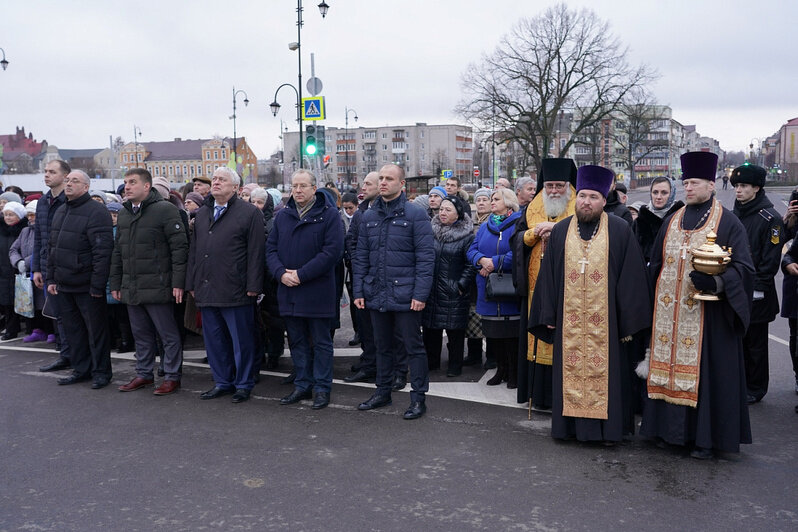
(311, 142)
(320, 146)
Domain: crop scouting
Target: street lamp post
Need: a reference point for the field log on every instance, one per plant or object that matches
(246, 102)
(275, 108)
(136, 136)
(346, 143)
(4, 62)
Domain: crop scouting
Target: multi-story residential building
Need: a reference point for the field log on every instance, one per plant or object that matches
(787, 148)
(421, 149)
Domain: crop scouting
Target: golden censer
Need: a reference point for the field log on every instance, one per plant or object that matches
(711, 259)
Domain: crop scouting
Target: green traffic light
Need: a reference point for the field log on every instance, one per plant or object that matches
(310, 149)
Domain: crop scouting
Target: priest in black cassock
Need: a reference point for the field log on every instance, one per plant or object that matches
(592, 293)
(696, 374)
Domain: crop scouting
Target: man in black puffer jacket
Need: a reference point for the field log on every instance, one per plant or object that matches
(765, 238)
(78, 262)
(148, 272)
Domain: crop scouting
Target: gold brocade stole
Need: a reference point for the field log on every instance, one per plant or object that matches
(585, 335)
(678, 327)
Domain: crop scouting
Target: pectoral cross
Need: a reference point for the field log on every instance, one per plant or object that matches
(584, 262)
(684, 247)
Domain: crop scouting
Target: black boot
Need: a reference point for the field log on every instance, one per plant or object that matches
(474, 352)
(501, 370)
(512, 364)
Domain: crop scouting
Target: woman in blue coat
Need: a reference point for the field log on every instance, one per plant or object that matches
(491, 252)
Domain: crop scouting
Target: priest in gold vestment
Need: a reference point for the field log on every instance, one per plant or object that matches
(592, 293)
(553, 202)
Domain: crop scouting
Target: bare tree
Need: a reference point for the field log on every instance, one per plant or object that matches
(562, 60)
(440, 161)
(638, 129)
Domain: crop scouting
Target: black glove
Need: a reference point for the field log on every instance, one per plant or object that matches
(703, 282)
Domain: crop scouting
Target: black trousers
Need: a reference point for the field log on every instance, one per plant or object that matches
(86, 328)
(755, 353)
(407, 325)
(794, 345)
(433, 343)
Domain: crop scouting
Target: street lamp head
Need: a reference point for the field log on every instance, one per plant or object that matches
(4, 63)
(275, 107)
(246, 101)
(293, 46)
(323, 7)
(355, 118)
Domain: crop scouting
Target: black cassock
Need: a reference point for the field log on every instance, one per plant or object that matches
(629, 309)
(720, 418)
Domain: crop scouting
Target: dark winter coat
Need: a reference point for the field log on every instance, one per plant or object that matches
(647, 225)
(395, 258)
(8, 235)
(81, 242)
(614, 206)
(493, 241)
(789, 286)
(150, 252)
(313, 246)
(448, 303)
(765, 231)
(521, 256)
(41, 230)
(225, 259)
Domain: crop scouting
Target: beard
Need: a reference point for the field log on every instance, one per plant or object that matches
(588, 217)
(554, 207)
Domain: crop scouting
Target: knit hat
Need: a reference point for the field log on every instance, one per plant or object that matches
(484, 191)
(276, 195)
(15, 207)
(161, 184)
(114, 206)
(11, 196)
(196, 197)
(459, 205)
(439, 190)
(99, 194)
(30, 207)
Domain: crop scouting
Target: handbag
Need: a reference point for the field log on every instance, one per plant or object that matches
(23, 295)
(499, 285)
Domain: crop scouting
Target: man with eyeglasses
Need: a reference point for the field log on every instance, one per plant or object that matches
(225, 276)
(554, 201)
(78, 265)
(305, 244)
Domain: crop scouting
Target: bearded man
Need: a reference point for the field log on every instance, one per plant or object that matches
(591, 294)
(553, 202)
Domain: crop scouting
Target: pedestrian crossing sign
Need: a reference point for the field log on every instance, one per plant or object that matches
(313, 108)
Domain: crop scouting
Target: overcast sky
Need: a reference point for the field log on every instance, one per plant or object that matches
(81, 71)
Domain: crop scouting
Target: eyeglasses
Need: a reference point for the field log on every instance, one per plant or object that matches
(552, 186)
(301, 185)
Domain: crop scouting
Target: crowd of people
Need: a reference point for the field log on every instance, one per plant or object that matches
(592, 310)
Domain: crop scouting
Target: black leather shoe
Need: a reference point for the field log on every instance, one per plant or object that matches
(241, 395)
(321, 400)
(296, 396)
(59, 364)
(8, 336)
(215, 392)
(700, 453)
(360, 376)
(73, 379)
(125, 347)
(375, 401)
(399, 383)
(100, 383)
(415, 410)
(454, 372)
(751, 399)
(355, 340)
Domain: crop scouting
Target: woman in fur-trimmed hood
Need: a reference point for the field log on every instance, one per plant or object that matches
(447, 306)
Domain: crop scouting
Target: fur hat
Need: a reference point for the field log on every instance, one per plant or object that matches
(749, 173)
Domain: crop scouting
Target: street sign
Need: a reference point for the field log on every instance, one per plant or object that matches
(476, 172)
(314, 86)
(313, 108)
(447, 174)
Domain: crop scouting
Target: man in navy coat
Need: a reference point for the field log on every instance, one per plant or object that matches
(304, 246)
(393, 268)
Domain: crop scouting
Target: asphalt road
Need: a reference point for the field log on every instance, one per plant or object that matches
(79, 459)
